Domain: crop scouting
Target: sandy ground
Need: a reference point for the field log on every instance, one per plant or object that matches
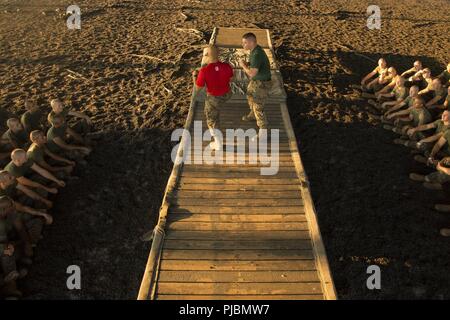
(369, 212)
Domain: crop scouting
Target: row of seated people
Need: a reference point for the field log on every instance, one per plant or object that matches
(37, 157)
(416, 106)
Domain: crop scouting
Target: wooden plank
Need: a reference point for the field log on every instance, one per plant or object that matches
(237, 245)
(237, 175)
(206, 167)
(219, 194)
(239, 288)
(240, 181)
(236, 202)
(240, 297)
(237, 235)
(239, 276)
(240, 265)
(238, 158)
(241, 218)
(236, 187)
(235, 227)
(237, 210)
(234, 255)
(319, 249)
(232, 37)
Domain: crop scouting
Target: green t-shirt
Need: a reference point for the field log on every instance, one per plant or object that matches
(31, 121)
(400, 93)
(54, 133)
(440, 93)
(440, 126)
(36, 153)
(409, 101)
(19, 171)
(446, 148)
(445, 76)
(259, 60)
(19, 138)
(10, 190)
(420, 116)
(64, 113)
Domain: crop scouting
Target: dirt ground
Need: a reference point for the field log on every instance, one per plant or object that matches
(369, 212)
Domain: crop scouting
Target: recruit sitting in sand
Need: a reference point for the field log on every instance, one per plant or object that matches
(81, 127)
(216, 76)
(407, 102)
(13, 249)
(23, 168)
(258, 70)
(397, 95)
(15, 136)
(31, 119)
(445, 76)
(368, 83)
(38, 152)
(56, 141)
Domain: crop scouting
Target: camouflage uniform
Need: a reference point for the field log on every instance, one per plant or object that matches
(259, 86)
(213, 105)
(257, 93)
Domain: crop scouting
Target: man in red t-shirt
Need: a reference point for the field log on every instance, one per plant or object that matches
(216, 75)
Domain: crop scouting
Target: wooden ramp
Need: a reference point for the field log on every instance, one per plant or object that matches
(227, 232)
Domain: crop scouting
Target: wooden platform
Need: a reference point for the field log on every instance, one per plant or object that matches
(226, 231)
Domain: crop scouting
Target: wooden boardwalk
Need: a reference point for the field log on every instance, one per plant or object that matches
(226, 231)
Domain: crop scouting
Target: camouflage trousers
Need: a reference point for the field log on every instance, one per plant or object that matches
(257, 94)
(213, 105)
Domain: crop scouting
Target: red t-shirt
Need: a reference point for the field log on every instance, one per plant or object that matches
(217, 77)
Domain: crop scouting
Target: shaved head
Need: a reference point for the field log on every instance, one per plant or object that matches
(212, 52)
(18, 154)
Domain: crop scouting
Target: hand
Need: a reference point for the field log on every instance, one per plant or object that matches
(52, 190)
(48, 218)
(431, 161)
(61, 183)
(194, 74)
(48, 203)
(9, 250)
(242, 63)
(71, 163)
(86, 150)
(410, 132)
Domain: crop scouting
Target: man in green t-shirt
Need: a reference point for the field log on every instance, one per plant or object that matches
(258, 70)
(12, 249)
(38, 152)
(21, 168)
(15, 136)
(397, 95)
(56, 141)
(34, 219)
(31, 119)
(9, 186)
(407, 102)
(77, 131)
(445, 76)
